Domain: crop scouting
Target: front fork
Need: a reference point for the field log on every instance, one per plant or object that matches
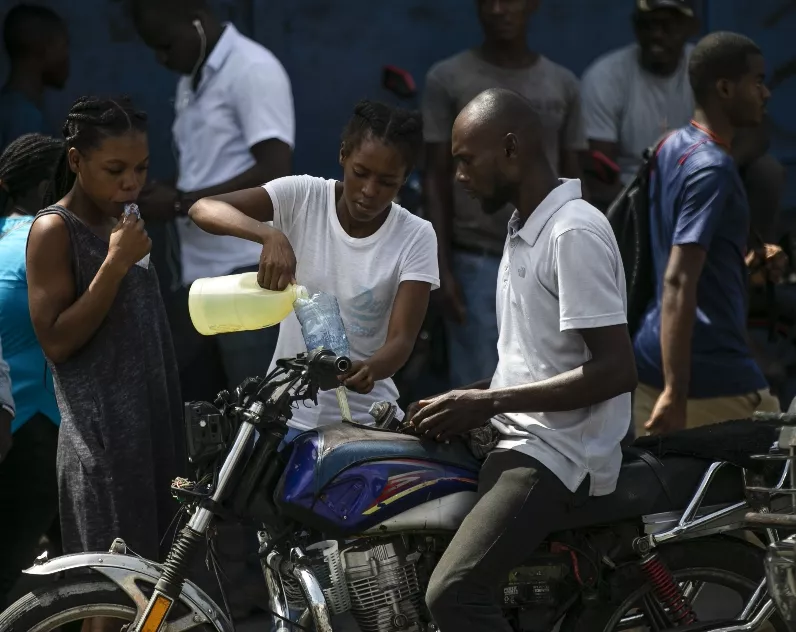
(169, 586)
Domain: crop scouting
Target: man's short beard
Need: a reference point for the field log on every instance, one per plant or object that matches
(499, 199)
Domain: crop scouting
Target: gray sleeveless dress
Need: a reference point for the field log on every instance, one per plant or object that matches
(121, 413)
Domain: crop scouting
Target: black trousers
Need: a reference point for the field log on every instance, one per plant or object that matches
(520, 503)
(28, 498)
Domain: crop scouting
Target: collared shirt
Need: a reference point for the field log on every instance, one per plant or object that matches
(697, 198)
(243, 98)
(561, 272)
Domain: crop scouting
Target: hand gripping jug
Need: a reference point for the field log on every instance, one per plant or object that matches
(222, 305)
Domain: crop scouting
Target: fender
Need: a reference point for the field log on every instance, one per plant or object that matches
(125, 571)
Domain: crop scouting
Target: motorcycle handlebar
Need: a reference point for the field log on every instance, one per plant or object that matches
(338, 364)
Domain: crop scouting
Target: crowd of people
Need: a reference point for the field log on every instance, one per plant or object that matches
(521, 161)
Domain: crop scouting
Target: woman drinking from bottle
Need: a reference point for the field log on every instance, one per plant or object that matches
(348, 239)
(99, 317)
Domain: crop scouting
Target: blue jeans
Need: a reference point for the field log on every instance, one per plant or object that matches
(472, 347)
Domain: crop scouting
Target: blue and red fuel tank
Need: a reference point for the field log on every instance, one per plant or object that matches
(345, 479)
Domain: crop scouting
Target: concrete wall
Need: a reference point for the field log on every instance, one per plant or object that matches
(334, 51)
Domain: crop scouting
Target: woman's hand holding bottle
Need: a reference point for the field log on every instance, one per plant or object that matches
(277, 261)
(129, 242)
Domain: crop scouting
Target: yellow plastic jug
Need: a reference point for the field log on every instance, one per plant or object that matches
(221, 305)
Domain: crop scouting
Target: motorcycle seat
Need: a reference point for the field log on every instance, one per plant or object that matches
(648, 485)
(343, 445)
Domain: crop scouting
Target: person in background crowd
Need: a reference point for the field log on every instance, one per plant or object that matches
(350, 240)
(470, 243)
(26, 168)
(242, 88)
(634, 95)
(37, 42)
(560, 396)
(97, 312)
(694, 362)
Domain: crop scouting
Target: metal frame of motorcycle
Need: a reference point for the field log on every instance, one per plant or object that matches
(773, 507)
(169, 587)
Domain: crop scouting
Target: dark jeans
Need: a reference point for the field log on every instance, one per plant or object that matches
(519, 503)
(28, 498)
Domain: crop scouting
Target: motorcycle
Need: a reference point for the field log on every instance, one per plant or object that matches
(352, 520)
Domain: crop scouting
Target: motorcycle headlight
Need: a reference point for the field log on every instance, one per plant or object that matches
(781, 577)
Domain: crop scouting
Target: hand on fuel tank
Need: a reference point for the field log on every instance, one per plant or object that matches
(451, 414)
(359, 378)
(277, 261)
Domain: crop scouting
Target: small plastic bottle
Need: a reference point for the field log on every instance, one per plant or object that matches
(132, 209)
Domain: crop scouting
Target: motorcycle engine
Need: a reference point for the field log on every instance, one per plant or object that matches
(383, 585)
(534, 592)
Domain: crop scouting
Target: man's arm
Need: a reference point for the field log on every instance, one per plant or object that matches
(591, 304)
(610, 372)
(273, 160)
(703, 200)
(678, 313)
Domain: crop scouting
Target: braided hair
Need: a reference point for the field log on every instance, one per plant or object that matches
(25, 164)
(393, 126)
(89, 122)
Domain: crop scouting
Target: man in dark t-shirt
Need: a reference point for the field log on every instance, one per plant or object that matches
(692, 354)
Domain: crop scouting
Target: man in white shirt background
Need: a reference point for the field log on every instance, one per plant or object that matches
(234, 128)
(560, 396)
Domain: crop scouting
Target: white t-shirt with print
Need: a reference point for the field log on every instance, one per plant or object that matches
(364, 275)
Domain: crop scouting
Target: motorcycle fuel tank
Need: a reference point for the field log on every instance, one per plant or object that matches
(350, 484)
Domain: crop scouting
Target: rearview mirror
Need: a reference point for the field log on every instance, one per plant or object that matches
(398, 81)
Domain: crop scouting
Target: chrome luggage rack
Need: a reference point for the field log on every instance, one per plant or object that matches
(759, 495)
(772, 508)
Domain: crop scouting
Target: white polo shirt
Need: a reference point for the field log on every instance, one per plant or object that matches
(244, 98)
(561, 272)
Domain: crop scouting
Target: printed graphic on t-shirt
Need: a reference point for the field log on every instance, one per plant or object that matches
(367, 313)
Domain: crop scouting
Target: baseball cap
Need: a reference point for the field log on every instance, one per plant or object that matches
(686, 7)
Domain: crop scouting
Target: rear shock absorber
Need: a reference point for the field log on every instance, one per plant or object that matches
(667, 590)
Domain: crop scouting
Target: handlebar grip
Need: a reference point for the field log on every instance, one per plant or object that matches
(330, 362)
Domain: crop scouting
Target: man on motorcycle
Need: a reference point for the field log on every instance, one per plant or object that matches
(560, 396)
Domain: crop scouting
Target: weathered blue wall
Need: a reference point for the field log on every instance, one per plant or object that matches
(334, 50)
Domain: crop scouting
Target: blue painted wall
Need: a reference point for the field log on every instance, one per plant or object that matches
(334, 50)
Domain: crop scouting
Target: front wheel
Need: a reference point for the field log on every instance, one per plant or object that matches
(66, 602)
(718, 574)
